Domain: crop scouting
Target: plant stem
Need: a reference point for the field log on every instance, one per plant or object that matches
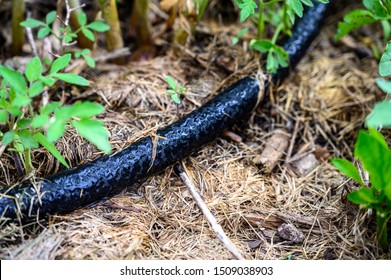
(277, 32)
(18, 9)
(381, 230)
(271, 2)
(83, 41)
(27, 160)
(261, 20)
(114, 35)
(140, 23)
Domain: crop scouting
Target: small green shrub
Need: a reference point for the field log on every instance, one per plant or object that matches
(375, 156)
(27, 127)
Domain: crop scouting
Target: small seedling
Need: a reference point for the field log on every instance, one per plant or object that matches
(375, 155)
(241, 33)
(175, 90)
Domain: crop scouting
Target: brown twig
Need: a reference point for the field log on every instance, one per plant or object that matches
(209, 216)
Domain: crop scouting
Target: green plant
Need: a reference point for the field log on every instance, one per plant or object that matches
(376, 11)
(175, 90)
(381, 113)
(280, 14)
(67, 35)
(375, 156)
(26, 126)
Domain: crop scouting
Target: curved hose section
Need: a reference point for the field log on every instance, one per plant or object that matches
(108, 175)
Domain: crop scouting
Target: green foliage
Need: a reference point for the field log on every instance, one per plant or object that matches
(247, 8)
(376, 11)
(175, 90)
(27, 127)
(381, 113)
(375, 156)
(280, 15)
(241, 33)
(67, 35)
(201, 7)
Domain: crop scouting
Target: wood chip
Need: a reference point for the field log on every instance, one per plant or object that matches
(276, 147)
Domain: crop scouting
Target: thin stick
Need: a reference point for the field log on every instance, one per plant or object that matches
(209, 216)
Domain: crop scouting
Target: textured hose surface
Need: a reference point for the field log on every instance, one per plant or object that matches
(85, 184)
(80, 186)
(302, 35)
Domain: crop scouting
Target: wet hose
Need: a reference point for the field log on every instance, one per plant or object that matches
(108, 175)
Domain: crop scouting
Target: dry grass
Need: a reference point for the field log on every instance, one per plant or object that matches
(322, 104)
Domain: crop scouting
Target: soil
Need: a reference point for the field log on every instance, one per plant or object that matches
(296, 210)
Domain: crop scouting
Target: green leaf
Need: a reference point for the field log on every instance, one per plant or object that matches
(201, 7)
(36, 89)
(170, 81)
(384, 85)
(49, 81)
(14, 111)
(181, 90)
(3, 116)
(171, 91)
(86, 109)
(98, 26)
(33, 69)
(241, 33)
(43, 32)
(56, 130)
(40, 121)
(386, 29)
(175, 98)
(21, 100)
(262, 46)
(8, 137)
(247, 8)
(296, 6)
(89, 60)
(71, 79)
(353, 21)
(27, 139)
(50, 147)
(50, 17)
(60, 63)
(377, 8)
(23, 123)
(32, 23)
(281, 56)
(88, 34)
(95, 132)
(348, 169)
(271, 62)
(235, 40)
(385, 62)
(363, 196)
(14, 78)
(380, 115)
(50, 108)
(375, 156)
(82, 18)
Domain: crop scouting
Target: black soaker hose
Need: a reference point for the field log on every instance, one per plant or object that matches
(108, 175)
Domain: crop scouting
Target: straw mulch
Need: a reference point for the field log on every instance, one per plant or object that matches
(321, 106)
